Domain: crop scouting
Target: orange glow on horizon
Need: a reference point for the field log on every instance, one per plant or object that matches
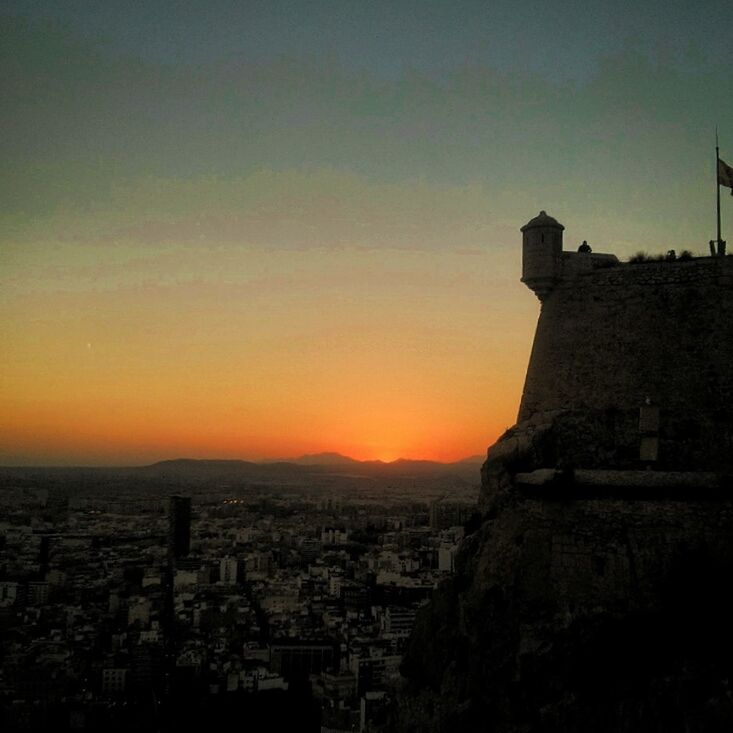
(255, 354)
(123, 431)
(39, 442)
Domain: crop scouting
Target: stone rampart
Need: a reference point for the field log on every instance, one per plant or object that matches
(618, 337)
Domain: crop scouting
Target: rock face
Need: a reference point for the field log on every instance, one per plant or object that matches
(576, 610)
(594, 594)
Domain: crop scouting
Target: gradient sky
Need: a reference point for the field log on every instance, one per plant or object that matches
(260, 229)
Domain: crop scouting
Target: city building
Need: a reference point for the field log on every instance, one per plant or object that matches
(179, 526)
(228, 570)
(444, 514)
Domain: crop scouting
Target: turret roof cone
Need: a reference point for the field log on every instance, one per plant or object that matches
(542, 220)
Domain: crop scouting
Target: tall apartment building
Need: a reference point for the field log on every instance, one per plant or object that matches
(179, 526)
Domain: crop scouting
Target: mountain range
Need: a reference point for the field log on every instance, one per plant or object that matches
(319, 463)
(289, 469)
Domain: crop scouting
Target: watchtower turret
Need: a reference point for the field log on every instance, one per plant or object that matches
(541, 253)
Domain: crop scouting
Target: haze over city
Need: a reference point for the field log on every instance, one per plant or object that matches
(265, 229)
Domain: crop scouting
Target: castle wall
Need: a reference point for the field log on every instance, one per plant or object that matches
(610, 338)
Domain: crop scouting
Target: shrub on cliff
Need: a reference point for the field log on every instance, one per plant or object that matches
(671, 256)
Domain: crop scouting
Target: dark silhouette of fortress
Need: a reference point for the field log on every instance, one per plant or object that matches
(593, 596)
(613, 338)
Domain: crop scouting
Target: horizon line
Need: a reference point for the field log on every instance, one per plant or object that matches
(257, 461)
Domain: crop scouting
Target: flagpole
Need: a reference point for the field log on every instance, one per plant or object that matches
(717, 190)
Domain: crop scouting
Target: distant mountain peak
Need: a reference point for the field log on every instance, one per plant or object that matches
(327, 458)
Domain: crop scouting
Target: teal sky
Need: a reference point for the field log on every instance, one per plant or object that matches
(601, 109)
(563, 39)
(300, 156)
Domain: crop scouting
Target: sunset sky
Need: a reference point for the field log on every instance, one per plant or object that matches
(239, 229)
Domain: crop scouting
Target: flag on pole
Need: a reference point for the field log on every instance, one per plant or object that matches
(725, 175)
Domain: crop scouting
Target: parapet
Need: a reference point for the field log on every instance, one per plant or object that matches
(578, 263)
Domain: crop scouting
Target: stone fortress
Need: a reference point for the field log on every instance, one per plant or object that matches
(593, 594)
(616, 337)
